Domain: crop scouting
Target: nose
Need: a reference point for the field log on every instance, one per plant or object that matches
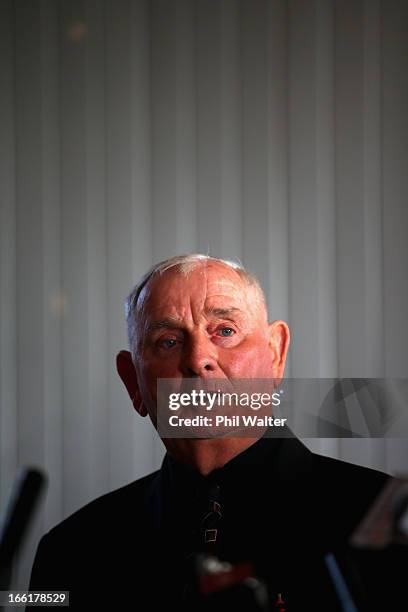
(199, 357)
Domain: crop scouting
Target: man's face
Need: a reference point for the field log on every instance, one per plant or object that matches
(208, 324)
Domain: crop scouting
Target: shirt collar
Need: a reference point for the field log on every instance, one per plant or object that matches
(271, 458)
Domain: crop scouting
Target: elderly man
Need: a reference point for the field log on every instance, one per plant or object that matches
(266, 502)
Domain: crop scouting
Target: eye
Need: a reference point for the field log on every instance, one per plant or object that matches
(226, 332)
(168, 343)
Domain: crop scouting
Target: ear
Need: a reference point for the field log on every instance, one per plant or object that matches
(127, 372)
(279, 337)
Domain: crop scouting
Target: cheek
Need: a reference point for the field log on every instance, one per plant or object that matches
(252, 360)
(154, 369)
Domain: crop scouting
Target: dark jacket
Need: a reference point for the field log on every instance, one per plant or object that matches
(283, 509)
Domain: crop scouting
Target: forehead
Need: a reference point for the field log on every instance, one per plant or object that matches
(204, 284)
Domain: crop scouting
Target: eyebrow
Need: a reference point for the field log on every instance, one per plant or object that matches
(224, 312)
(172, 322)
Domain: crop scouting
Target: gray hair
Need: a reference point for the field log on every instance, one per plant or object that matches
(184, 264)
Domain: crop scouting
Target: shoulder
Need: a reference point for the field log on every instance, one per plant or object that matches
(298, 463)
(335, 472)
(115, 509)
(346, 491)
(78, 548)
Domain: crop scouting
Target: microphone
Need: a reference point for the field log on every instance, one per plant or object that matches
(16, 518)
(340, 585)
(399, 514)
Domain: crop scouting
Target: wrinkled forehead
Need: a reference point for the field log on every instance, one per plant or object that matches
(205, 283)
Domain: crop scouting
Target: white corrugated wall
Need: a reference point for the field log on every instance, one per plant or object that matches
(270, 131)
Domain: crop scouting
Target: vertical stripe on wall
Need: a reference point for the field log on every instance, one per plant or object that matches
(8, 256)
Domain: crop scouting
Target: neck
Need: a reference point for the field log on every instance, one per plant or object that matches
(207, 455)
